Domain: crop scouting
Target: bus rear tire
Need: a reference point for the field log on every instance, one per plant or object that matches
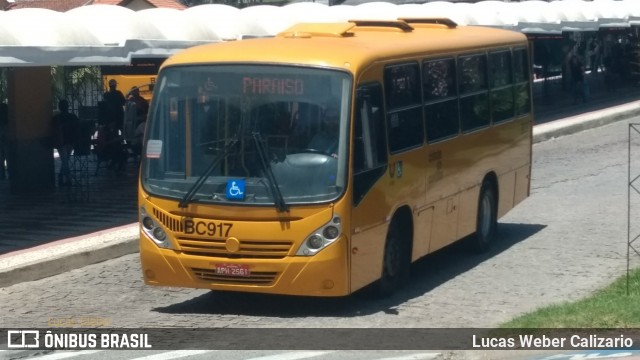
(396, 261)
(487, 221)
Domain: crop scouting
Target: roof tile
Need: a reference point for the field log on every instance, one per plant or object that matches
(173, 4)
(107, 2)
(57, 5)
(64, 5)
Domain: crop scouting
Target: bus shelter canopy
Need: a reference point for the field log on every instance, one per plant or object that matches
(111, 35)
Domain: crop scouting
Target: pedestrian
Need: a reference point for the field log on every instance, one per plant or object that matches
(4, 129)
(136, 143)
(579, 87)
(142, 105)
(114, 104)
(65, 131)
(110, 148)
(594, 55)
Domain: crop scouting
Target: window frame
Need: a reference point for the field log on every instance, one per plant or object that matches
(417, 104)
(442, 100)
(483, 91)
(494, 89)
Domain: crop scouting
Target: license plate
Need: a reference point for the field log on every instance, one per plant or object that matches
(232, 270)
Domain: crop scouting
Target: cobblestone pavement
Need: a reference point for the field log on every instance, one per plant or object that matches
(568, 239)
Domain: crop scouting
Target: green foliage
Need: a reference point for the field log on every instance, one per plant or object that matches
(611, 307)
(72, 82)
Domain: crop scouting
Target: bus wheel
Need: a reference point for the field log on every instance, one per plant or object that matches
(487, 218)
(396, 263)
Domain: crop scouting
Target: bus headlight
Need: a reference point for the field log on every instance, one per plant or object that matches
(315, 241)
(159, 234)
(321, 238)
(147, 222)
(331, 232)
(153, 230)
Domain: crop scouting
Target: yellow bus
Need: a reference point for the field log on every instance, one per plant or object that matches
(141, 74)
(429, 141)
(126, 83)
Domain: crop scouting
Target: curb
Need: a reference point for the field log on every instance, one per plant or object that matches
(68, 254)
(74, 253)
(590, 120)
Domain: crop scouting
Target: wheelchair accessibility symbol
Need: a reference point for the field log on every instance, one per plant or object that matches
(235, 189)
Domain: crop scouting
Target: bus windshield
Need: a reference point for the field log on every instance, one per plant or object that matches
(250, 134)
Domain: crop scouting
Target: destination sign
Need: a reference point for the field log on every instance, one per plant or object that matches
(272, 86)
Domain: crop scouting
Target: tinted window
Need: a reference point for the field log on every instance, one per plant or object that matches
(369, 135)
(474, 99)
(439, 79)
(440, 93)
(522, 96)
(404, 106)
(502, 104)
(369, 139)
(402, 86)
(500, 69)
(520, 65)
(474, 111)
(442, 120)
(522, 99)
(500, 76)
(473, 73)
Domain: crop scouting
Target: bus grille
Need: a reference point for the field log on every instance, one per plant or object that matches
(172, 224)
(248, 249)
(262, 278)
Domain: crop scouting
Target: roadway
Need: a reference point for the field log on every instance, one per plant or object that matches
(564, 242)
(78, 255)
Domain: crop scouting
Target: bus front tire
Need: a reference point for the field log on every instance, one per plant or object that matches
(487, 222)
(396, 262)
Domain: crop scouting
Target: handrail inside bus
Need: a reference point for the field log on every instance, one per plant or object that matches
(402, 25)
(440, 21)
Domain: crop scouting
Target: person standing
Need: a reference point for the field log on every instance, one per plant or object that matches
(577, 78)
(326, 140)
(65, 131)
(4, 129)
(142, 105)
(115, 101)
(595, 55)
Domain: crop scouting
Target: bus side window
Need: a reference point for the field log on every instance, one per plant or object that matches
(474, 99)
(441, 98)
(522, 101)
(404, 106)
(370, 145)
(501, 86)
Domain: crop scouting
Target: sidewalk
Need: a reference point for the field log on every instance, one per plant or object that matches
(47, 234)
(71, 228)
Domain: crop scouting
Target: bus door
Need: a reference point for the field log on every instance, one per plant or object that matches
(369, 195)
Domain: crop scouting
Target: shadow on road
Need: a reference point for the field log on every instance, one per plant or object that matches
(427, 274)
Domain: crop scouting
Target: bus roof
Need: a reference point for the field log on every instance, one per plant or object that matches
(352, 44)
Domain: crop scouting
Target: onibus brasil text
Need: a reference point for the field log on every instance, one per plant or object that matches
(535, 341)
(77, 340)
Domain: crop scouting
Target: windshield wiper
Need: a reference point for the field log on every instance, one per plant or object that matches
(281, 205)
(198, 184)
